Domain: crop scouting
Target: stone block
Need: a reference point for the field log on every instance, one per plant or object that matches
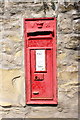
(76, 26)
(12, 87)
(65, 6)
(68, 41)
(73, 43)
(64, 23)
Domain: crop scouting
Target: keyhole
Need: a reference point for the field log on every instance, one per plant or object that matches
(35, 77)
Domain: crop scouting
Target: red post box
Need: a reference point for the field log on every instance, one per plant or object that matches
(40, 60)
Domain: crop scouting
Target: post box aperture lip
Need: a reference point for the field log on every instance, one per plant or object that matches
(39, 33)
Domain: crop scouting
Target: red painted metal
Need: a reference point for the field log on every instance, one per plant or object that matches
(41, 86)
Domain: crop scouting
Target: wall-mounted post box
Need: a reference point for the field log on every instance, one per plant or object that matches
(40, 60)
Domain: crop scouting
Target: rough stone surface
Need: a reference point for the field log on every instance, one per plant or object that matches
(12, 73)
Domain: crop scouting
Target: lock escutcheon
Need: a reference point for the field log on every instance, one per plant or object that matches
(38, 77)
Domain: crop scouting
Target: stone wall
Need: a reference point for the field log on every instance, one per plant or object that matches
(12, 75)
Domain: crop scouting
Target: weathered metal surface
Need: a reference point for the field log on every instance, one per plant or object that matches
(40, 60)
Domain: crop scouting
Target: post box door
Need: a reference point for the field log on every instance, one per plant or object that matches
(41, 73)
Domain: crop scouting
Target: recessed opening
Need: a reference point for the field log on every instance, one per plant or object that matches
(39, 33)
